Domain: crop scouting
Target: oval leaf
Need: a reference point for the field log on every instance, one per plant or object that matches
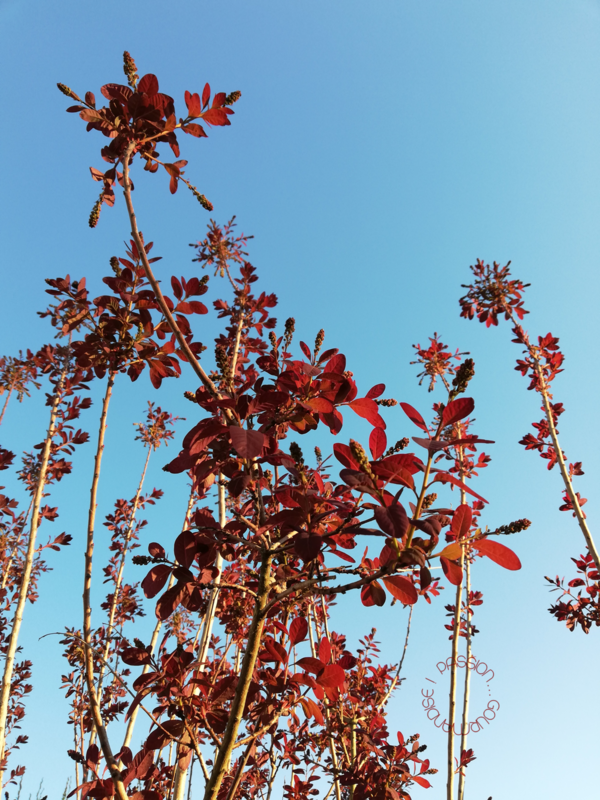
(452, 571)
(247, 444)
(332, 677)
(298, 630)
(377, 443)
(498, 553)
(457, 409)
(369, 410)
(414, 416)
(461, 522)
(156, 579)
(402, 589)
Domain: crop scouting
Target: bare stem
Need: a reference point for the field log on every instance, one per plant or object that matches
(464, 730)
(119, 580)
(206, 381)
(156, 632)
(10, 391)
(591, 545)
(452, 695)
(223, 755)
(28, 563)
(111, 762)
(393, 684)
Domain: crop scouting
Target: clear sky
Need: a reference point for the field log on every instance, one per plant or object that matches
(379, 148)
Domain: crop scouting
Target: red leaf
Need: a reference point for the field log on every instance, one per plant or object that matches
(311, 664)
(498, 553)
(316, 711)
(332, 677)
(325, 650)
(369, 410)
(444, 477)
(377, 442)
(457, 409)
(192, 102)
(156, 579)
(421, 781)
(306, 350)
(414, 416)
(148, 84)
(344, 455)
(298, 630)
(176, 286)
(169, 601)
(402, 589)
(336, 364)
(392, 520)
(376, 391)
(216, 116)
(373, 594)
(247, 444)
(461, 521)
(156, 549)
(194, 130)
(452, 571)
(170, 729)
(320, 404)
(273, 651)
(135, 656)
(185, 549)
(205, 95)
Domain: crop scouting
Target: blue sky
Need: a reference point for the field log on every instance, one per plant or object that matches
(379, 149)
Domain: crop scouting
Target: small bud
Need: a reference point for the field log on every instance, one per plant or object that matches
(389, 403)
(232, 98)
(191, 396)
(428, 501)
(69, 92)
(115, 266)
(318, 455)
(141, 561)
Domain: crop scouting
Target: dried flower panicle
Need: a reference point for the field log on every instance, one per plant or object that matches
(513, 527)
(130, 70)
(428, 501)
(232, 98)
(320, 338)
(464, 374)
(290, 327)
(401, 444)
